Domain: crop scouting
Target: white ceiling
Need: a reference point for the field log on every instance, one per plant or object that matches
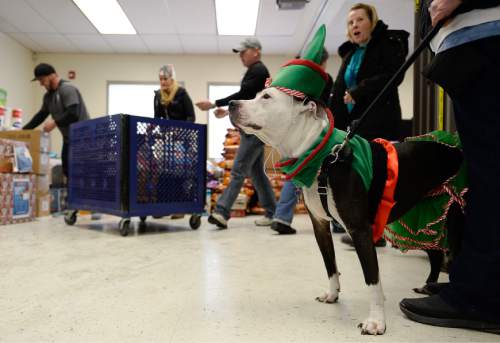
(183, 26)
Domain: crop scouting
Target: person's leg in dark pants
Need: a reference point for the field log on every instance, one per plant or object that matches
(64, 159)
(249, 151)
(472, 299)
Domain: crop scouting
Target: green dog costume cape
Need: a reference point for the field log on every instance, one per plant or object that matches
(421, 228)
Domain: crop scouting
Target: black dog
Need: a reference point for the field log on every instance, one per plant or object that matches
(292, 127)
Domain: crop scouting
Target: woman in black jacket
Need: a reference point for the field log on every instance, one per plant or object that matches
(369, 59)
(171, 100)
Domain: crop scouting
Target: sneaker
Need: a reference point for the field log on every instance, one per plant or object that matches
(218, 219)
(283, 229)
(264, 221)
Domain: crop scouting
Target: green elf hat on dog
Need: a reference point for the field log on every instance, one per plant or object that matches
(304, 77)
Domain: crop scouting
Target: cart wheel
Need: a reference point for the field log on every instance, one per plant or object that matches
(195, 221)
(124, 226)
(143, 219)
(70, 217)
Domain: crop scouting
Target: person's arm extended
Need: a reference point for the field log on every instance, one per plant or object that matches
(250, 86)
(37, 119)
(70, 116)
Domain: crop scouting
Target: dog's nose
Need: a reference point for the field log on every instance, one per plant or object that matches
(233, 104)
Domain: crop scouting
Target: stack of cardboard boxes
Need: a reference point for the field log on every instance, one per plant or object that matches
(38, 144)
(17, 183)
(244, 203)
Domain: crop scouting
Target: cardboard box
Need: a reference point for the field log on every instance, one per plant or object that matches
(271, 156)
(43, 205)
(17, 198)
(42, 184)
(38, 144)
(14, 157)
(39, 141)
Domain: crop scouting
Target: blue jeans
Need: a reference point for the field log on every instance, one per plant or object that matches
(286, 205)
(249, 161)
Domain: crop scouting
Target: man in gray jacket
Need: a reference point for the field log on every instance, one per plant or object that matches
(63, 101)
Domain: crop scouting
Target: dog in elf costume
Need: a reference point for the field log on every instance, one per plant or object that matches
(366, 186)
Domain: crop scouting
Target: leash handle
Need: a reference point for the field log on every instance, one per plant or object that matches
(356, 123)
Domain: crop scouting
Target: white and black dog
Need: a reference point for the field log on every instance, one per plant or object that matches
(292, 126)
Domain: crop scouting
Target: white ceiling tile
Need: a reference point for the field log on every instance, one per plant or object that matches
(63, 15)
(94, 43)
(227, 43)
(23, 16)
(185, 26)
(6, 26)
(193, 18)
(273, 21)
(53, 42)
(198, 44)
(149, 16)
(26, 41)
(126, 43)
(164, 44)
(278, 45)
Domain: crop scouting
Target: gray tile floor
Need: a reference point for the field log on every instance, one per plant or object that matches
(86, 283)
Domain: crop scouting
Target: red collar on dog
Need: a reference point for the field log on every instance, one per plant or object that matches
(313, 153)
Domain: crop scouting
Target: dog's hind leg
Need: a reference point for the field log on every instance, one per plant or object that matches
(436, 258)
(325, 243)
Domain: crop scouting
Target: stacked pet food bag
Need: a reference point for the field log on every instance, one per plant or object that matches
(247, 201)
(24, 169)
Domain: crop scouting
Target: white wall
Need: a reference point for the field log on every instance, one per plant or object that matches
(93, 71)
(16, 72)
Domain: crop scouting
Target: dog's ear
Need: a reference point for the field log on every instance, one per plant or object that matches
(310, 108)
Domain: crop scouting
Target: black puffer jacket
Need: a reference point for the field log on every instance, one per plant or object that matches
(385, 53)
(181, 107)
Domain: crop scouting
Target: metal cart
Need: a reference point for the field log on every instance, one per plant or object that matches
(132, 166)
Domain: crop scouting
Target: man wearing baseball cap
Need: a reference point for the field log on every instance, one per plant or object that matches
(63, 101)
(249, 160)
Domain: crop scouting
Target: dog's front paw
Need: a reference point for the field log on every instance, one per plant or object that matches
(372, 326)
(328, 298)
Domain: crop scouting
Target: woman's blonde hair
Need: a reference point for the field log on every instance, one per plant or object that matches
(370, 11)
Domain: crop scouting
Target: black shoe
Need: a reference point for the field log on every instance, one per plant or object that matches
(337, 228)
(218, 219)
(283, 229)
(434, 311)
(346, 239)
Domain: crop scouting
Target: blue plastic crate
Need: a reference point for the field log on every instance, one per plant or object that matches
(135, 166)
